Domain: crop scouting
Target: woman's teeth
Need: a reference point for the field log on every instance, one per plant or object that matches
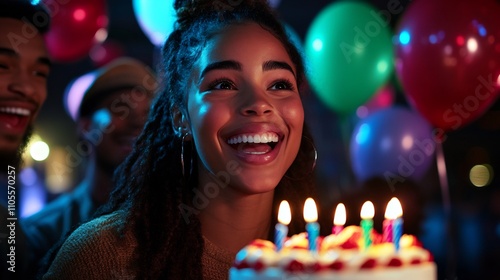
(254, 138)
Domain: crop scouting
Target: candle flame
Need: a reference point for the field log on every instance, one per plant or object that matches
(394, 209)
(367, 210)
(340, 215)
(310, 211)
(284, 213)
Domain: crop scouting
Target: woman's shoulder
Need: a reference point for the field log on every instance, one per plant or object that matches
(110, 224)
(95, 249)
(105, 232)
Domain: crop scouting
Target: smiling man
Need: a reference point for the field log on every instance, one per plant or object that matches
(24, 67)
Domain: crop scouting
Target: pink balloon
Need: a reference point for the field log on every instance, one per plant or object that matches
(382, 99)
(76, 26)
(448, 59)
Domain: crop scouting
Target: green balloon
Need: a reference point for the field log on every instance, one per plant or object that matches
(349, 52)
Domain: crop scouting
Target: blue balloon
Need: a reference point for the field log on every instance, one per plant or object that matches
(394, 143)
(156, 19)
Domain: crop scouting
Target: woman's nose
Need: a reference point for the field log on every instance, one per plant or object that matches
(256, 102)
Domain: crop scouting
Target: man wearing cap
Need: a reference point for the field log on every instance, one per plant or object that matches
(110, 107)
(24, 67)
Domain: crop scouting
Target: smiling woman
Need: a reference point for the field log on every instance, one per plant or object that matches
(245, 91)
(222, 143)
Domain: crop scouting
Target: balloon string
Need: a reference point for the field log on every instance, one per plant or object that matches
(445, 193)
(443, 177)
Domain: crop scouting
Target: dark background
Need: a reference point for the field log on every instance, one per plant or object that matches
(464, 239)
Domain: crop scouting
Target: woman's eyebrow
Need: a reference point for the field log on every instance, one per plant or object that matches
(234, 65)
(221, 65)
(273, 64)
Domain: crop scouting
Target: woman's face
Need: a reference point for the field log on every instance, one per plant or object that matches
(244, 110)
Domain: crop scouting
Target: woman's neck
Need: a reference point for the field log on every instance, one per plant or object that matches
(231, 220)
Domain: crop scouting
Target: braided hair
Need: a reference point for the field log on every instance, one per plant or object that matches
(150, 183)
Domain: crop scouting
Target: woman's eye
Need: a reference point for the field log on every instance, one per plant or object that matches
(222, 85)
(282, 85)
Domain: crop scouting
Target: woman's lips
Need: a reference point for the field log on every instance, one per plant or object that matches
(256, 153)
(256, 143)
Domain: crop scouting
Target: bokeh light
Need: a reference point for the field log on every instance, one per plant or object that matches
(39, 150)
(481, 175)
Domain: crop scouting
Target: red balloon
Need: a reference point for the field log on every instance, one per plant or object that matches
(448, 59)
(76, 26)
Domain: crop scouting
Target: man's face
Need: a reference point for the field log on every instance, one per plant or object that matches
(24, 67)
(114, 126)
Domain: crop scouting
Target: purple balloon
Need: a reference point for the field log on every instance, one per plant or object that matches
(395, 143)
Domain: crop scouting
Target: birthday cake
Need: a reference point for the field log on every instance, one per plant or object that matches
(341, 256)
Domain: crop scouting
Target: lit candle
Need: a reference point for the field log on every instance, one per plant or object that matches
(339, 219)
(390, 215)
(367, 214)
(284, 218)
(397, 227)
(312, 227)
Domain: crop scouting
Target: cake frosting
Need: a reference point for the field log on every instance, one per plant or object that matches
(340, 257)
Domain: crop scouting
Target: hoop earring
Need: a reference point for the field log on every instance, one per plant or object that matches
(315, 158)
(183, 141)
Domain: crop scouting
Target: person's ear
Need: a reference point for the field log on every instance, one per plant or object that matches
(180, 122)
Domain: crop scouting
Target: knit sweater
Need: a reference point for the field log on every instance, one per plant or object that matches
(96, 251)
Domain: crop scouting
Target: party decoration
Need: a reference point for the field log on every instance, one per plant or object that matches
(394, 143)
(156, 19)
(76, 26)
(448, 59)
(350, 54)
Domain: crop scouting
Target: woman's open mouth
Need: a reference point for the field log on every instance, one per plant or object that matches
(256, 148)
(255, 144)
